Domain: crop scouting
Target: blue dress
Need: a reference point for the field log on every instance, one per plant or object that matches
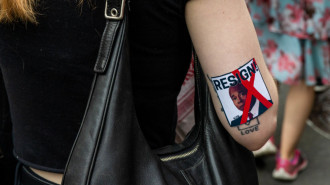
(294, 36)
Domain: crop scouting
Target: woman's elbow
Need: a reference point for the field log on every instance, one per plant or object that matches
(264, 129)
(261, 140)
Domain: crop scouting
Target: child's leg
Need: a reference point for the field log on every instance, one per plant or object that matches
(298, 105)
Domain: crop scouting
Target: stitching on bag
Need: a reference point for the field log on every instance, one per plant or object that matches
(111, 44)
(109, 93)
(181, 155)
(200, 160)
(186, 177)
(107, 55)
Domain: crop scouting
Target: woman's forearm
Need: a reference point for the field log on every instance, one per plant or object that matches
(225, 39)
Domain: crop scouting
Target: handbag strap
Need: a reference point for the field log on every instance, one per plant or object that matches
(80, 159)
(114, 14)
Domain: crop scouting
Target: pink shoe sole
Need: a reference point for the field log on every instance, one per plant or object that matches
(281, 174)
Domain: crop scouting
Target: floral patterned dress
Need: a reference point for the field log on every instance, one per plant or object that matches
(294, 36)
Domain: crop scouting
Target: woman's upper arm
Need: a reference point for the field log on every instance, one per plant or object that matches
(225, 40)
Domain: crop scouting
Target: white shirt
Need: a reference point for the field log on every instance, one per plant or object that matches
(255, 109)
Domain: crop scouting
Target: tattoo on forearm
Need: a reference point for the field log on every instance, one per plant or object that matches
(243, 96)
(249, 127)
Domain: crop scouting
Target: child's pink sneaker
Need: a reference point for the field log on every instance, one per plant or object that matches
(289, 169)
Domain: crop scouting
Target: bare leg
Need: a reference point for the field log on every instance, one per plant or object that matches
(298, 105)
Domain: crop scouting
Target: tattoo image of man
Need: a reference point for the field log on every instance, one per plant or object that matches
(238, 95)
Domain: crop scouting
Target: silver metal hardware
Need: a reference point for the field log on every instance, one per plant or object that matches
(114, 14)
(181, 155)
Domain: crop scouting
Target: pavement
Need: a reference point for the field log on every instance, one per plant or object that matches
(316, 148)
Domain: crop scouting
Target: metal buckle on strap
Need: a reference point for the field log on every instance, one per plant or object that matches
(114, 13)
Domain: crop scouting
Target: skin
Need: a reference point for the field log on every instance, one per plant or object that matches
(225, 39)
(295, 116)
(53, 177)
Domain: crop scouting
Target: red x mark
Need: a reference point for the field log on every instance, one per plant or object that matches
(251, 90)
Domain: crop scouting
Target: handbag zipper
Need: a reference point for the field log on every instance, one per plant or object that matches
(174, 157)
(194, 150)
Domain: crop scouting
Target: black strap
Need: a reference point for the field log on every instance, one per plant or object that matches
(114, 13)
(107, 40)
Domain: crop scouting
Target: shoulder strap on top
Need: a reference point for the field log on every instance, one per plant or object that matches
(114, 13)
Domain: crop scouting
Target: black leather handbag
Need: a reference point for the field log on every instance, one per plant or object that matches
(110, 148)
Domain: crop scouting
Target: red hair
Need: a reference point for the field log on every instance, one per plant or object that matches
(19, 10)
